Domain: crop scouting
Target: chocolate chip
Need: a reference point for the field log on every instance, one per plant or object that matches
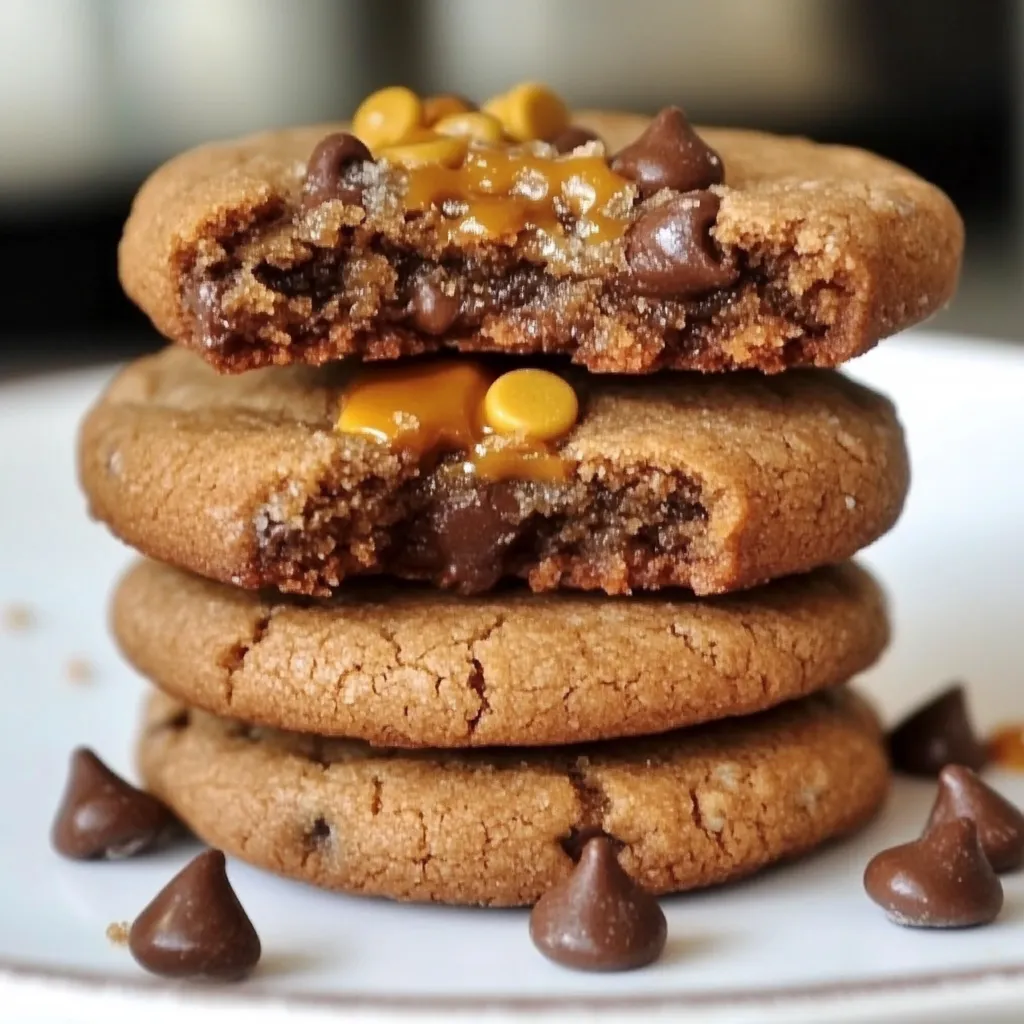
(329, 171)
(599, 919)
(319, 832)
(937, 734)
(579, 835)
(573, 137)
(669, 154)
(670, 251)
(432, 309)
(942, 880)
(195, 927)
(471, 537)
(204, 299)
(102, 816)
(1000, 824)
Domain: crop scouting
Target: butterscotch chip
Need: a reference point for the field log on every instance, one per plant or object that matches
(446, 105)
(473, 124)
(533, 404)
(414, 667)
(388, 116)
(529, 111)
(823, 251)
(713, 483)
(691, 809)
(442, 149)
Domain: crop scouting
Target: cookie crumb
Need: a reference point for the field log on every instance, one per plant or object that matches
(18, 617)
(78, 670)
(117, 932)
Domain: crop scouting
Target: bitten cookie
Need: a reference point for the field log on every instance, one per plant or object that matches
(712, 483)
(403, 667)
(694, 808)
(251, 253)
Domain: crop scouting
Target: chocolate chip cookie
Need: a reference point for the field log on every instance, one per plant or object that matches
(628, 244)
(401, 666)
(709, 482)
(690, 809)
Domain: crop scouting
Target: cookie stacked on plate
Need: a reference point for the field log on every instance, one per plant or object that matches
(463, 552)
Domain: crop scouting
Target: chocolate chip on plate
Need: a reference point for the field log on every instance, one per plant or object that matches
(328, 173)
(195, 926)
(937, 734)
(573, 137)
(670, 251)
(1000, 824)
(942, 880)
(669, 154)
(102, 816)
(599, 919)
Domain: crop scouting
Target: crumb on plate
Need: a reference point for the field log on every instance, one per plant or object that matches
(78, 670)
(17, 617)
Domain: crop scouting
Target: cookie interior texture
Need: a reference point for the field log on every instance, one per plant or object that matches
(691, 809)
(835, 248)
(714, 483)
(406, 666)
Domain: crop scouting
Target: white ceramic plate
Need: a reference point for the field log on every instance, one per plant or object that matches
(798, 943)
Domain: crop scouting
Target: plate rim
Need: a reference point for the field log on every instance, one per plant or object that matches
(817, 995)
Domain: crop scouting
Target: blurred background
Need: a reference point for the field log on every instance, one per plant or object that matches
(95, 93)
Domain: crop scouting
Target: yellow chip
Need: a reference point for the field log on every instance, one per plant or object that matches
(473, 124)
(529, 111)
(442, 149)
(535, 405)
(387, 116)
(436, 107)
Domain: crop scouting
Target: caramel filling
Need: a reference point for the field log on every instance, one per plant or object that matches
(480, 169)
(498, 193)
(436, 408)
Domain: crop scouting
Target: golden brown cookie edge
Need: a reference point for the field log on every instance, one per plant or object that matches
(728, 801)
(417, 668)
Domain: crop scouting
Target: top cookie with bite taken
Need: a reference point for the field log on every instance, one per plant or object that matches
(629, 244)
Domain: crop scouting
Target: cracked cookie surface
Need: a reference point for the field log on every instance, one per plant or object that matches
(714, 483)
(405, 667)
(835, 249)
(694, 808)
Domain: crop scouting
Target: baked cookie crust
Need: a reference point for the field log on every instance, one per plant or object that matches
(710, 483)
(833, 248)
(404, 667)
(694, 808)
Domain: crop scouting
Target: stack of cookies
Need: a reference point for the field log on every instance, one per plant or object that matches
(464, 549)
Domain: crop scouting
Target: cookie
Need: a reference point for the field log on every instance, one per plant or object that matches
(399, 667)
(806, 255)
(694, 808)
(711, 483)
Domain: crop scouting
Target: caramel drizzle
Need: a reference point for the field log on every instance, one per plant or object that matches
(434, 408)
(498, 193)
